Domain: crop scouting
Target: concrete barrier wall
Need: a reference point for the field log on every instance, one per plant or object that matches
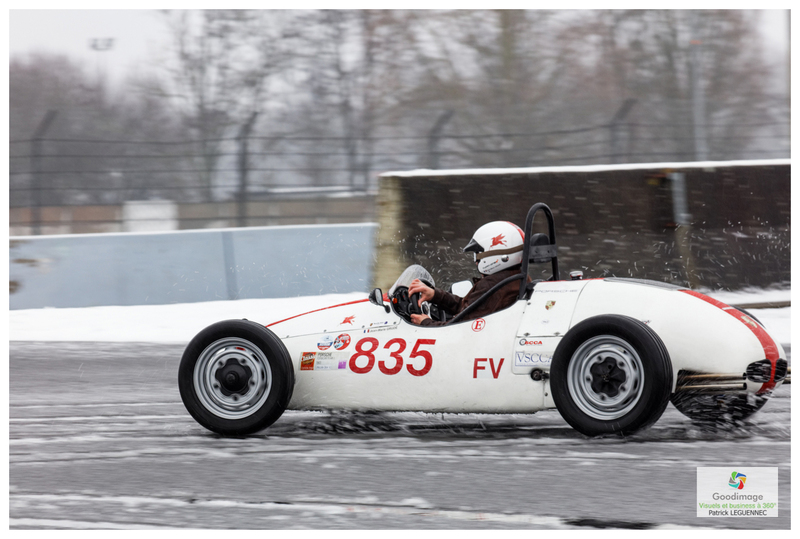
(189, 266)
(624, 220)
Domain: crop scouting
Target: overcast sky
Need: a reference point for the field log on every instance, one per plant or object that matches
(140, 36)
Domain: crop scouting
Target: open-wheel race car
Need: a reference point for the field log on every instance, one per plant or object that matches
(609, 353)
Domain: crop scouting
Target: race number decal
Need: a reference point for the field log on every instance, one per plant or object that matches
(416, 352)
(398, 359)
(360, 351)
(419, 361)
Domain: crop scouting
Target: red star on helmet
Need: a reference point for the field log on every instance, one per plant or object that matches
(498, 240)
(348, 320)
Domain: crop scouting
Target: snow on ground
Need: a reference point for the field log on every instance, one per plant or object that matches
(178, 323)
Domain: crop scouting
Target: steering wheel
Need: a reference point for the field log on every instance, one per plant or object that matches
(404, 305)
(413, 305)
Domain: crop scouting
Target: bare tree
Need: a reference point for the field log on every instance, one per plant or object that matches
(225, 63)
(647, 55)
(95, 149)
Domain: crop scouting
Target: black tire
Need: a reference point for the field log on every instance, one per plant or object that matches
(236, 378)
(707, 408)
(611, 374)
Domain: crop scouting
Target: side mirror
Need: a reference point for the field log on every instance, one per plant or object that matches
(376, 297)
(461, 288)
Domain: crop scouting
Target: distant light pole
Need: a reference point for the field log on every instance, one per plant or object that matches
(101, 45)
(698, 102)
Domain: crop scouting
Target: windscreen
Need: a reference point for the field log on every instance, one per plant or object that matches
(412, 272)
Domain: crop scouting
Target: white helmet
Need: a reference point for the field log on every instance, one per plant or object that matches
(496, 246)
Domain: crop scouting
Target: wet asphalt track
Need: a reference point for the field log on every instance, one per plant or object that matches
(99, 439)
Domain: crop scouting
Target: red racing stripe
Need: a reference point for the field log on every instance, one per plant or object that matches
(318, 310)
(770, 348)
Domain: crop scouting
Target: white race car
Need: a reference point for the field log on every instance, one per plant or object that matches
(609, 353)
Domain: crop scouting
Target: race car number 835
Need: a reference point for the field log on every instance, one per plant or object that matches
(366, 347)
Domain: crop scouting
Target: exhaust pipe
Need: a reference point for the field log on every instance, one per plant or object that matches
(711, 383)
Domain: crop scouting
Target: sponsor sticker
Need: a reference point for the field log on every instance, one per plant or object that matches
(527, 359)
(323, 361)
(737, 491)
(549, 305)
(307, 361)
(347, 320)
(478, 324)
(341, 341)
(325, 342)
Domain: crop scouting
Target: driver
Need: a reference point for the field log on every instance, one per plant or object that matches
(497, 248)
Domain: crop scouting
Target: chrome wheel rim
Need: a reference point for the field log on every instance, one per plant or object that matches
(605, 377)
(232, 378)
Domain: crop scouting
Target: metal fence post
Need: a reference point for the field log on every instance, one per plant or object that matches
(36, 170)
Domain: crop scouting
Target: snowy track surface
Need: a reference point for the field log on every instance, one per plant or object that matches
(99, 439)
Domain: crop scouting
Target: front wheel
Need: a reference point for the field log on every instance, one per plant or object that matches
(611, 374)
(236, 378)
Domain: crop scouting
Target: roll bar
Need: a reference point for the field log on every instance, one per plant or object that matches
(540, 252)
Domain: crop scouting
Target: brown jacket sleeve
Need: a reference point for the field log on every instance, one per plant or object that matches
(503, 298)
(446, 301)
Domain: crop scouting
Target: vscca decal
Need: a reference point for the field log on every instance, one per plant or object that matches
(524, 359)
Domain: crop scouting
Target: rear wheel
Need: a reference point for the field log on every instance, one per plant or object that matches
(236, 377)
(611, 375)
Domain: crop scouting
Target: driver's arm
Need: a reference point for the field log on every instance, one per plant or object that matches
(449, 302)
(418, 319)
